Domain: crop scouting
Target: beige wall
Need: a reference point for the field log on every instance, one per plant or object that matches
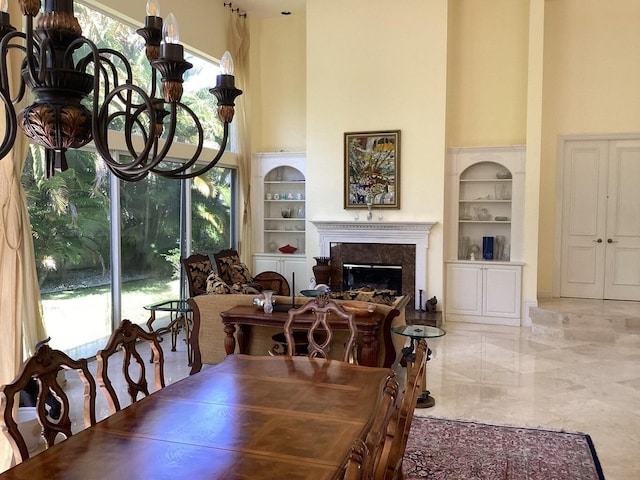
(372, 65)
(591, 85)
(487, 72)
(279, 95)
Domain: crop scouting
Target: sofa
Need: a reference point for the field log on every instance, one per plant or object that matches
(207, 339)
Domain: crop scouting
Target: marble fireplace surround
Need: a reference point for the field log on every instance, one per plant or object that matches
(414, 234)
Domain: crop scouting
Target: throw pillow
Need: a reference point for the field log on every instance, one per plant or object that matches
(240, 274)
(215, 285)
(244, 289)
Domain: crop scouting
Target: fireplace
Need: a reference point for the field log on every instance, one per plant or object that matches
(388, 243)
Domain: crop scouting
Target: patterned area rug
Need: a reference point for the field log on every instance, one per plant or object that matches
(451, 449)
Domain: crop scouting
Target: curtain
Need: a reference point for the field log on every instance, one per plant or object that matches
(21, 324)
(238, 42)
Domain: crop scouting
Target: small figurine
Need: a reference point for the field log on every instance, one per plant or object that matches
(430, 305)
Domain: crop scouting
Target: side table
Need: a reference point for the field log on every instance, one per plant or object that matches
(417, 333)
(179, 317)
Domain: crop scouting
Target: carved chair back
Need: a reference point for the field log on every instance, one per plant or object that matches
(320, 334)
(366, 455)
(197, 268)
(389, 466)
(126, 339)
(44, 366)
(269, 280)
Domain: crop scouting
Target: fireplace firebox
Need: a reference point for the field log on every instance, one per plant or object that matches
(372, 276)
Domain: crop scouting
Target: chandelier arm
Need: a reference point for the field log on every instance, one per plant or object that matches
(129, 177)
(11, 121)
(106, 61)
(35, 74)
(196, 155)
(5, 47)
(11, 124)
(143, 131)
(100, 128)
(206, 168)
(168, 141)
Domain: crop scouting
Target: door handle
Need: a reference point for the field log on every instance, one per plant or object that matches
(598, 241)
(610, 240)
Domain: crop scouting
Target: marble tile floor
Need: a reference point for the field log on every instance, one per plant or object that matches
(529, 377)
(516, 376)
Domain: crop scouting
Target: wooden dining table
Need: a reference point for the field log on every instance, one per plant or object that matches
(248, 417)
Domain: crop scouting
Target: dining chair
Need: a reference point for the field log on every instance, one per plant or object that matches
(389, 466)
(319, 333)
(197, 268)
(44, 366)
(127, 338)
(365, 455)
(274, 281)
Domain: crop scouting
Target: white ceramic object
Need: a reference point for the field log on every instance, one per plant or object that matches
(29, 427)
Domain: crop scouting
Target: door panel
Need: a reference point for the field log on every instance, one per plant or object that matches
(584, 219)
(622, 273)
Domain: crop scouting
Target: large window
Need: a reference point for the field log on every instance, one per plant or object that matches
(91, 279)
(71, 221)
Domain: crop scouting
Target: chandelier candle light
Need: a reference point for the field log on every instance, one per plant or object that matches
(80, 95)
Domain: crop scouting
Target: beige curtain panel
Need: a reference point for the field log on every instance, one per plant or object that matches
(238, 41)
(21, 324)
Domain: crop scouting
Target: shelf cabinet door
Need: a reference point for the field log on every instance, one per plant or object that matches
(297, 266)
(502, 285)
(464, 289)
(262, 263)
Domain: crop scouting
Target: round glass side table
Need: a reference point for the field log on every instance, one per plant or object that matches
(417, 333)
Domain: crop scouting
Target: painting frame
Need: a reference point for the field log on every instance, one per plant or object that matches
(372, 169)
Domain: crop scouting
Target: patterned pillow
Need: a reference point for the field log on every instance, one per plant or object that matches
(240, 274)
(215, 285)
(243, 288)
(225, 267)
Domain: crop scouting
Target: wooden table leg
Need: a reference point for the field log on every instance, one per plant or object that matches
(369, 351)
(229, 339)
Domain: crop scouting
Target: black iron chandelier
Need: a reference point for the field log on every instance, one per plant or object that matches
(80, 96)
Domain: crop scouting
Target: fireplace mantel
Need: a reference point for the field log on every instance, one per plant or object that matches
(403, 233)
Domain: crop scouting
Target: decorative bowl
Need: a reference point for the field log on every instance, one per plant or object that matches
(312, 293)
(288, 249)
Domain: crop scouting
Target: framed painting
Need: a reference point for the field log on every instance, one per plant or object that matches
(372, 169)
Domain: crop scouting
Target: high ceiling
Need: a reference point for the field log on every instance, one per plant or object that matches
(269, 8)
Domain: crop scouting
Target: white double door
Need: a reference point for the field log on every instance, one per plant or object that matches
(600, 252)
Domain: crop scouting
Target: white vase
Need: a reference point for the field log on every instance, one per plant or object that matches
(268, 306)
